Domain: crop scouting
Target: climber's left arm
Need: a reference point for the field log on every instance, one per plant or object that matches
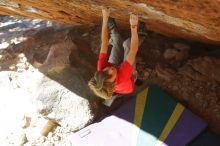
(134, 39)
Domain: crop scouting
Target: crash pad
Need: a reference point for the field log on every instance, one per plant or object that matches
(150, 118)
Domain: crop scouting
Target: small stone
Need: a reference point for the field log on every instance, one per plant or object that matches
(23, 139)
(23, 60)
(146, 75)
(20, 65)
(49, 126)
(25, 122)
(21, 55)
(12, 67)
(170, 54)
(85, 34)
(57, 138)
(176, 54)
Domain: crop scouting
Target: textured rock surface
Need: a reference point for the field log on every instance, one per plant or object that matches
(58, 103)
(63, 95)
(196, 20)
(58, 92)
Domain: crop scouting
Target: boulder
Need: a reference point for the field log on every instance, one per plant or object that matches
(183, 19)
(64, 98)
(179, 52)
(62, 93)
(202, 69)
(57, 90)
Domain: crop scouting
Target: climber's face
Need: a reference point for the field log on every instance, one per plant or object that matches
(112, 72)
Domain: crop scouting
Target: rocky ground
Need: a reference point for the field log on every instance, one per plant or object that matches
(189, 71)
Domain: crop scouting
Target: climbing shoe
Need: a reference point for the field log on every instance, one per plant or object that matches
(142, 31)
(111, 23)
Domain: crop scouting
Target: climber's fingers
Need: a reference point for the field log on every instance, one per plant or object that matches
(133, 19)
(105, 11)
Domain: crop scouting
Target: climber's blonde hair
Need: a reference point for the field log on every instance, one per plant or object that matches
(99, 85)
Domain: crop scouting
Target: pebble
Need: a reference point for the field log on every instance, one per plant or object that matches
(170, 53)
(23, 139)
(25, 122)
(57, 138)
(85, 34)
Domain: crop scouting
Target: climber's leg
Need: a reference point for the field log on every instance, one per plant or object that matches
(116, 55)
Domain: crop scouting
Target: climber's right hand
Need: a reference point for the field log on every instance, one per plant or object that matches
(105, 12)
(133, 20)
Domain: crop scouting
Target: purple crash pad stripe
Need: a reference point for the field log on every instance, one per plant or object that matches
(126, 111)
(186, 129)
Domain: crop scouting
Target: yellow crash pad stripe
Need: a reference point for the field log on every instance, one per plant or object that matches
(139, 111)
(172, 121)
(139, 107)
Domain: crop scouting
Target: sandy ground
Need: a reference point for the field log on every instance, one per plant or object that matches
(16, 107)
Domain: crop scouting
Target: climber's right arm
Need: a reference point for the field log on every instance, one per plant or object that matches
(104, 36)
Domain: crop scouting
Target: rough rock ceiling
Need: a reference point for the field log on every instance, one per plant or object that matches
(194, 20)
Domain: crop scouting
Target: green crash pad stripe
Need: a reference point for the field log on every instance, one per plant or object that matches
(158, 109)
(171, 123)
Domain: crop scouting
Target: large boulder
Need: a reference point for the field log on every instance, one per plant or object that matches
(195, 20)
(62, 93)
(57, 87)
(64, 100)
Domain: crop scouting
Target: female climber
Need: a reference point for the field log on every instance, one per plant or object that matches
(116, 75)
